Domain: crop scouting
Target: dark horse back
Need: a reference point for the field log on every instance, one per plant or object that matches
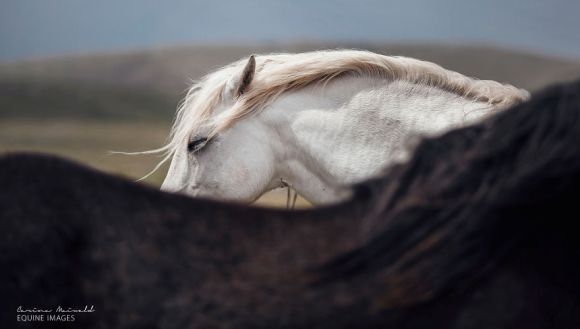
(478, 230)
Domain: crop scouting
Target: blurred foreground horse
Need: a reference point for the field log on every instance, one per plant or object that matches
(317, 121)
(478, 230)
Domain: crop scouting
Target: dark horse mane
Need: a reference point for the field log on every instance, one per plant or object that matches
(477, 230)
(472, 198)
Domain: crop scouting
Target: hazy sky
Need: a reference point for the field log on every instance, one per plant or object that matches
(32, 28)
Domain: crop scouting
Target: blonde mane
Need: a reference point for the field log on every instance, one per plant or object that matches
(280, 73)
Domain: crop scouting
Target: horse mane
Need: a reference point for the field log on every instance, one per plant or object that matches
(280, 73)
(283, 73)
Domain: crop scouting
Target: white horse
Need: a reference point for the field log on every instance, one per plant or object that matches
(318, 121)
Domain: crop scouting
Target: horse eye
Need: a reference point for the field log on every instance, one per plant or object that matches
(197, 144)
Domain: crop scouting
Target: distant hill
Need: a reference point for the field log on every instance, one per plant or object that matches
(170, 70)
(46, 99)
(149, 84)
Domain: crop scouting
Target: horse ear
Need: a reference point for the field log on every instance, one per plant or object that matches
(247, 76)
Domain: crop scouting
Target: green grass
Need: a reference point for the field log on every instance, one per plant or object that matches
(57, 99)
(89, 142)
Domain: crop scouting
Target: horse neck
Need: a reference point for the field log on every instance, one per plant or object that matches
(347, 131)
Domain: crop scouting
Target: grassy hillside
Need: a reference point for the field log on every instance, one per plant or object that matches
(170, 70)
(47, 99)
(83, 106)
